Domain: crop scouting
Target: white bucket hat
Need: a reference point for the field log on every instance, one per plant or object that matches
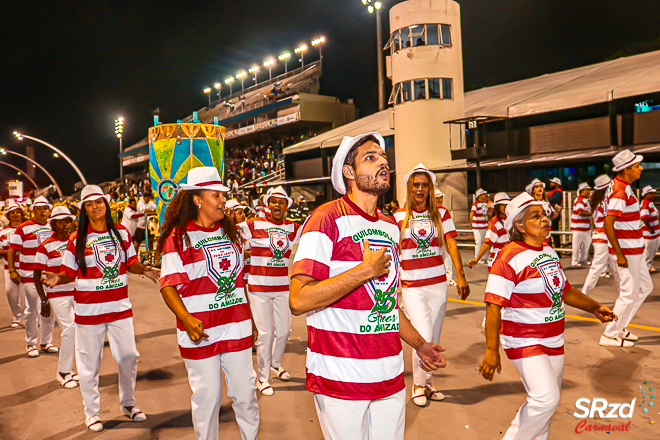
(419, 168)
(41, 201)
(480, 191)
(231, 204)
(60, 213)
(537, 182)
(516, 205)
(602, 181)
(556, 180)
(439, 193)
(501, 199)
(12, 205)
(338, 162)
(647, 189)
(278, 192)
(625, 159)
(583, 185)
(91, 192)
(203, 178)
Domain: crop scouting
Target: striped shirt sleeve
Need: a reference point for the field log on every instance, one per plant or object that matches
(40, 258)
(16, 239)
(448, 227)
(173, 273)
(69, 263)
(317, 239)
(500, 283)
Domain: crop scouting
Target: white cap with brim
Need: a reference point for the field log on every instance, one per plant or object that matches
(419, 168)
(41, 201)
(516, 206)
(480, 191)
(203, 178)
(12, 206)
(501, 198)
(439, 193)
(602, 181)
(647, 190)
(625, 159)
(60, 213)
(91, 192)
(347, 143)
(556, 180)
(278, 192)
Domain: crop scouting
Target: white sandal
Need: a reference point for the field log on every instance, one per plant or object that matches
(94, 424)
(418, 396)
(49, 348)
(67, 381)
(134, 414)
(32, 351)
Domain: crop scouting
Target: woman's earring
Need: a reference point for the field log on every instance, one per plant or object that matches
(199, 206)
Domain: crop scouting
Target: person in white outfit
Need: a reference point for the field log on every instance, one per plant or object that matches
(626, 247)
(15, 295)
(581, 225)
(479, 221)
(525, 297)
(601, 260)
(649, 216)
(97, 258)
(425, 230)
(202, 284)
(59, 299)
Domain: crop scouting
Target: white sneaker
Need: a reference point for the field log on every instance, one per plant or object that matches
(282, 374)
(265, 388)
(433, 394)
(134, 414)
(32, 351)
(67, 381)
(94, 424)
(418, 396)
(625, 334)
(616, 342)
(15, 324)
(49, 348)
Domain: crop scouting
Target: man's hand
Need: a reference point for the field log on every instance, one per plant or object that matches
(49, 279)
(255, 332)
(45, 309)
(15, 277)
(621, 261)
(431, 357)
(152, 273)
(194, 328)
(473, 262)
(490, 364)
(378, 261)
(605, 314)
(462, 287)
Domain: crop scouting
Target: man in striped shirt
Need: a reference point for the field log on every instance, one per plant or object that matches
(649, 215)
(345, 277)
(479, 220)
(623, 228)
(581, 225)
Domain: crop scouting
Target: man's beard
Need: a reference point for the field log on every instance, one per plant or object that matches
(369, 184)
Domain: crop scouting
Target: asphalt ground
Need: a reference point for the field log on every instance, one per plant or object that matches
(34, 406)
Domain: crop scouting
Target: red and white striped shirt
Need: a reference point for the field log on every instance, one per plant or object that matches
(5, 235)
(421, 255)
(497, 238)
(102, 294)
(479, 215)
(28, 237)
(650, 212)
(622, 203)
(598, 236)
(208, 276)
(353, 346)
(270, 245)
(49, 257)
(580, 222)
(529, 284)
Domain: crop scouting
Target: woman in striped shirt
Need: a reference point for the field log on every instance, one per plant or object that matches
(525, 297)
(537, 190)
(496, 237)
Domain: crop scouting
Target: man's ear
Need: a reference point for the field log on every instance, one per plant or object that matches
(347, 171)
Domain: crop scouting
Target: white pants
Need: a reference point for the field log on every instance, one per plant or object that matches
(599, 265)
(449, 264)
(479, 237)
(650, 249)
(426, 308)
(581, 243)
(62, 308)
(635, 285)
(205, 382)
(382, 419)
(89, 352)
(35, 324)
(272, 317)
(16, 298)
(541, 375)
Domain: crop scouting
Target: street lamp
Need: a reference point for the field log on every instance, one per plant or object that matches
(375, 5)
(319, 42)
(21, 173)
(208, 92)
(270, 62)
(285, 57)
(255, 70)
(241, 75)
(20, 137)
(228, 81)
(301, 50)
(217, 87)
(119, 131)
(57, 187)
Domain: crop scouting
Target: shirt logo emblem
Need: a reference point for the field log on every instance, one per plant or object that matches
(422, 231)
(279, 243)
(383, 290)
(43, 235)
(107, 255)
(554, 280)
(223, 263)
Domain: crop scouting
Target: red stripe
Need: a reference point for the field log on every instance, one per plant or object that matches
(538, 331)
(217, 348)
(209, 183)
(101, 319)
(269, 271)
(354, 391)
(267, 252)
(425, 282)
(530, 301)
(101, 296)
(422, 263)
(268, 289)
(311, 268)
(533, 350)
(628, 251)
(353, 346)
(215, 318)
(61, 294)
(492, 298)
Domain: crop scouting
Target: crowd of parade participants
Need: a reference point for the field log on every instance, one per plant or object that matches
(365, 281)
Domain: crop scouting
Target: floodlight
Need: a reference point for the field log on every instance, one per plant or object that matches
(317, 41)
(242, 74)
(207, 90)
(284, 56)
(229, 80)
(269, 62)
(301, 48)
(217, 85)
(253, 69)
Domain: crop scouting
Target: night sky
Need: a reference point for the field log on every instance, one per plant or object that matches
(68, 71)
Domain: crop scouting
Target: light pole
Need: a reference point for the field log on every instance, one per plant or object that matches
(228, 81)
(375, 5)
(119, 131)
(241, 75)
(285, 57)
(269, 63)
(217, 87)
(301, 50)
(20, 137)
(319, 42)
(57, 187)
(255, 70)
(208, 92)
(20, 172)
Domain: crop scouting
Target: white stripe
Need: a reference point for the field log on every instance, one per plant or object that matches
(354, 370)
(200, 303)
(334, 319)
(102, 308)
(423, 274)
(530, 285)
(527, 315)
(261, 280)
(90, 284)
(338, 267)
(225, 332)
(500, 286)
(407, 254)
(511, 342)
